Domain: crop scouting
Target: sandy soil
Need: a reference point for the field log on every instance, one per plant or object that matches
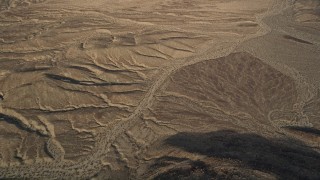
(162, 89)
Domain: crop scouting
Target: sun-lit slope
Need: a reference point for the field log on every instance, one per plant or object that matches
(216, 91)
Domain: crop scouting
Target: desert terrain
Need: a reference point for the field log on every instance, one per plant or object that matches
(160, 89)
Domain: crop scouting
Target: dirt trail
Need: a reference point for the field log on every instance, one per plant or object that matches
(211, 53)
(108, 136)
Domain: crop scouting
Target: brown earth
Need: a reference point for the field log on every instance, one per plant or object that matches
(170, 89)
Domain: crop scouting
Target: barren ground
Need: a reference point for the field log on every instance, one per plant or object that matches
(161, 89)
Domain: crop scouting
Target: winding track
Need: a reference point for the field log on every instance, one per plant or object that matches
(211, 53)
(108, 136)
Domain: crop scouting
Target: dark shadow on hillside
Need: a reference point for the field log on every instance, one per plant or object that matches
(296, 39)
(16, 122)
(288, 159)
(308, 130)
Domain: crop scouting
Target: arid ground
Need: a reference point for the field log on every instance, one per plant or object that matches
(160, 89)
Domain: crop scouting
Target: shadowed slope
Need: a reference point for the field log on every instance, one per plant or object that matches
(288, 159)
